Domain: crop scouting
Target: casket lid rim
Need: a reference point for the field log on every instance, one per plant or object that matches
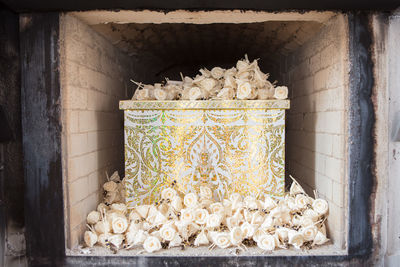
(204, 104)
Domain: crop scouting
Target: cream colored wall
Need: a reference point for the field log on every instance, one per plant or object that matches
(317, 77)
(94, 78)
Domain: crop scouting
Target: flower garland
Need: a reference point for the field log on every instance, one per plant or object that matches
(245, 81)
(196, 219)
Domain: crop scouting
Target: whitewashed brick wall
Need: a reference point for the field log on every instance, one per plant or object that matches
(94, 76)
(317, 75)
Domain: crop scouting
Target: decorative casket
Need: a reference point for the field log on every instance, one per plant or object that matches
(232, 146)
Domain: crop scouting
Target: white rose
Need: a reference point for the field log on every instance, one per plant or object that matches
(205, 192)
(163, 208)
(146, 226)
(309, 233)
(205, 72)
(244, 90)
(217, 73)
(302, 201)
(251, 202)
(244, 75)
(172, 92)
(140, 237)
(177, 241)
(230, 72)
(241, 65)
(295, 189)
(311, 214)
(237, 205)
(200, 216)
(198, 78)
(320, 238)
(205, 203)
(102, 208)
(214, 220)
(226, 93)
(291, 203)
(151, 244)
(103, 239)
(187, 215)
(281, 92)
(168, 193)
(119, 225)
(282, 213)
(130, 238)
(296, 220)
(229, 82)
(185, 93)
(176, 203)
(259, 76)
(268, 224)
(247, 215)
(235, 197)
(167, 232)
(265, 93)
(266, 242)
(116, 239)
(110, 186)
(217, 208)
(282, 233)
(236, 235)
(160, 94)
(208, 84)
(320, 206)
(248, 229)
(90, 238)
(295, 238)
(193, 228)
(115, 177)
(102, 227)
(232, 222)
(228, 207)
(120, 207)
(306, 221)
(142, 94)
(134, 227)
(152, 214)
(111, 197)
(134, 217)
(196, 93)
(201, 239)
(222, 240)
(257, 218)
(322, 228)
(143, 210)
(190, 200)
(269, 203)
(93, 217)
(182, 227)
(258, 233)
(158, 219)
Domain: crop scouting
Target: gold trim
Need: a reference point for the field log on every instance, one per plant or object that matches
(204, 104)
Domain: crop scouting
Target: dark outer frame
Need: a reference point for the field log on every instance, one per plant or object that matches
(282, 5)
(42, 129)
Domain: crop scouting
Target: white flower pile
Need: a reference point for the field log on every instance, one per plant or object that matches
(198, 220)
(245, 81)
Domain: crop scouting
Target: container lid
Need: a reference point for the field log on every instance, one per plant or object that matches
(205, 104)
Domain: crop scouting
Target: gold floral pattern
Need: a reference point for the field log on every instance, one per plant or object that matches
(232, 150)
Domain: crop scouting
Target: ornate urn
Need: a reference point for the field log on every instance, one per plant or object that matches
(233, 146)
